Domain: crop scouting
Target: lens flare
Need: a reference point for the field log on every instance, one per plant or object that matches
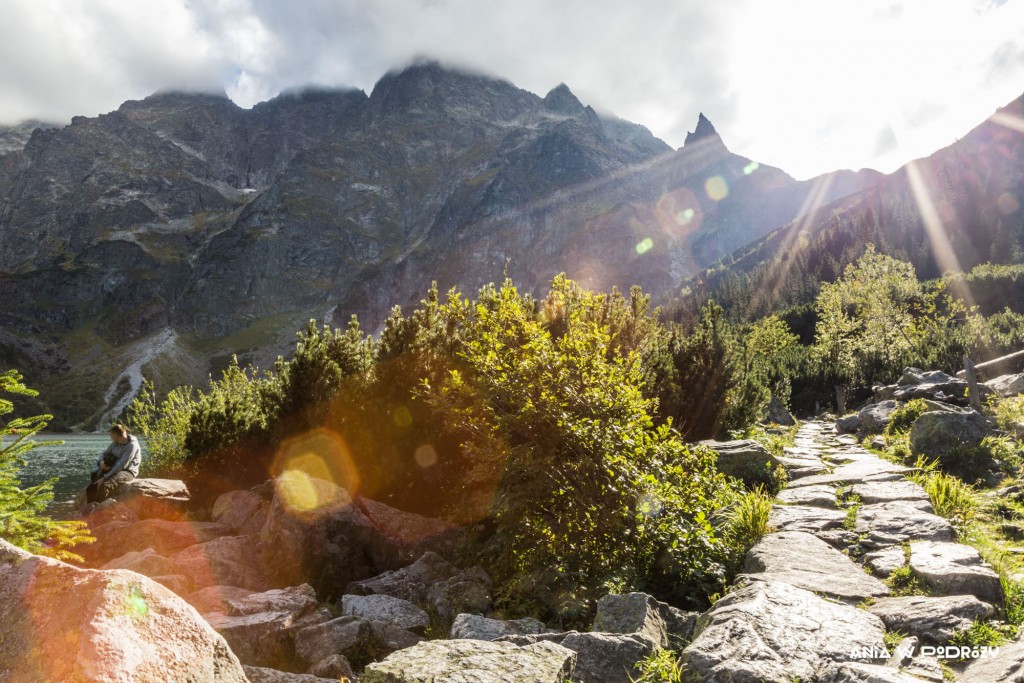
(315, 471)
(137, 605)
(716, 188)
(645, 245)
(1007, 203)
(751, 167)
(402, 417)
(425, 455)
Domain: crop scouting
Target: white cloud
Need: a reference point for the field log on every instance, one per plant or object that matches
(802, 84)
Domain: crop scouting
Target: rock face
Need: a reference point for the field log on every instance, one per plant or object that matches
(640, 614)
(395, 611)
(337, 199)
(473, 661)
(476, 627)
(60, 623)
(771, 631)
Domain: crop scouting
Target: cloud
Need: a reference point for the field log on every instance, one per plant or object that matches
(804, 85)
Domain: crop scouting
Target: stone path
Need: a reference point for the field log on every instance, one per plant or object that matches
(845, 522)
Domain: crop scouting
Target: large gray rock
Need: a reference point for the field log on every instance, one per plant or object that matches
(358, 640)
(476, 627)
(1007, 385)
(946, 436)
(146, 562)
(1006, 666)
(600, 657)
(234, 508)
(408, 535)
(386, 608)
(892, 523)
(803, 561)
(61, 623)
(225, 561)
(638, 613)
(264, 639)
(292, 599)
(887, 491)
(215, 598)
(848, 424)
(819, 495)
(115, 539)
(335, 667)
(154, 498)
(955, 569)
(258, 674)
(779, 414)
(474, 661)
(863, 672)
(875, 417)
(467, 591)
(744, 459)
(932, 619)
(772, 631)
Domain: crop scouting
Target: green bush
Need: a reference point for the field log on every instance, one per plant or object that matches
(748, 522)
(952, 499)
(904, 416)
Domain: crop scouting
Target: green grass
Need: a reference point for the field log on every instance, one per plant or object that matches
(904, 416)
(902, 582)
(749, 519)
(952, 499)
(980, 634)
(661, 666)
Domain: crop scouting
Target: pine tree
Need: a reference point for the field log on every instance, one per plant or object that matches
(22, 521)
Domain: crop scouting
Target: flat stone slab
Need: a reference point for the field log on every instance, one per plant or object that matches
(801, 560)
(892, 523)
(473, 661)
(1007, 666)
(476, 627)
(802, 467)
(805, 518)
(862, 672)
(889, 491)
(932, 619)
(772, 631)
(887, 560)
(820, 495)
(955, 569)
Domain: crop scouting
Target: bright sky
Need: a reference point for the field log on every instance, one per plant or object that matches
(806, 85)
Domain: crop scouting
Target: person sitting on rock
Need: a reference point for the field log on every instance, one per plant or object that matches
(116, 466)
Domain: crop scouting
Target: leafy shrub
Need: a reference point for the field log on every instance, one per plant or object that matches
(904, 416)
(748, 521)
(22, 522)
(952, 499)
(661, 666)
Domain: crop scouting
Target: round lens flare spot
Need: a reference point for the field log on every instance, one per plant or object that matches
(425, 455)
(1007, 203)
(716, 188)
(684, 216)
(315, 471)
(645, 245)
(751, 167)
(137, 605)
(649, 506)
(402, 417)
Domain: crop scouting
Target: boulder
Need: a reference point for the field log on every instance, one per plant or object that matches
(215, 598)
(225, 561)
(145, 562)
(848, 424)
(386, 608)
(1007, 385)
(955, 569)
(266, 639)
(468, 591)
(404, 536)
(1006, 666)
(62, 623)
(600, 657)
(335, 668)
(234, 508)
(154, 498)
(114, 539)
(292, 599)
(411, 583)
(259, 674)
(875, 417)
(744, 459)
(779, 414)
(772, 631)
(640, 614)
(475, 627)
(862, 672)
(468, 661)
(932, 619)
(948, 437)
(803, 561)
(359, 640)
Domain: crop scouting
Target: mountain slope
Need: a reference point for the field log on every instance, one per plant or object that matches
(225, 228)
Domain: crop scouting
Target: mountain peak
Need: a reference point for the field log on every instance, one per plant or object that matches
(704, 130)
(561, 101)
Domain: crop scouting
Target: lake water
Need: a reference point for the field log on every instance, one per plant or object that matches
(70, 462)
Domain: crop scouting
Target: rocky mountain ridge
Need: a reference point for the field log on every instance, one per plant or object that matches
(185, 215)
